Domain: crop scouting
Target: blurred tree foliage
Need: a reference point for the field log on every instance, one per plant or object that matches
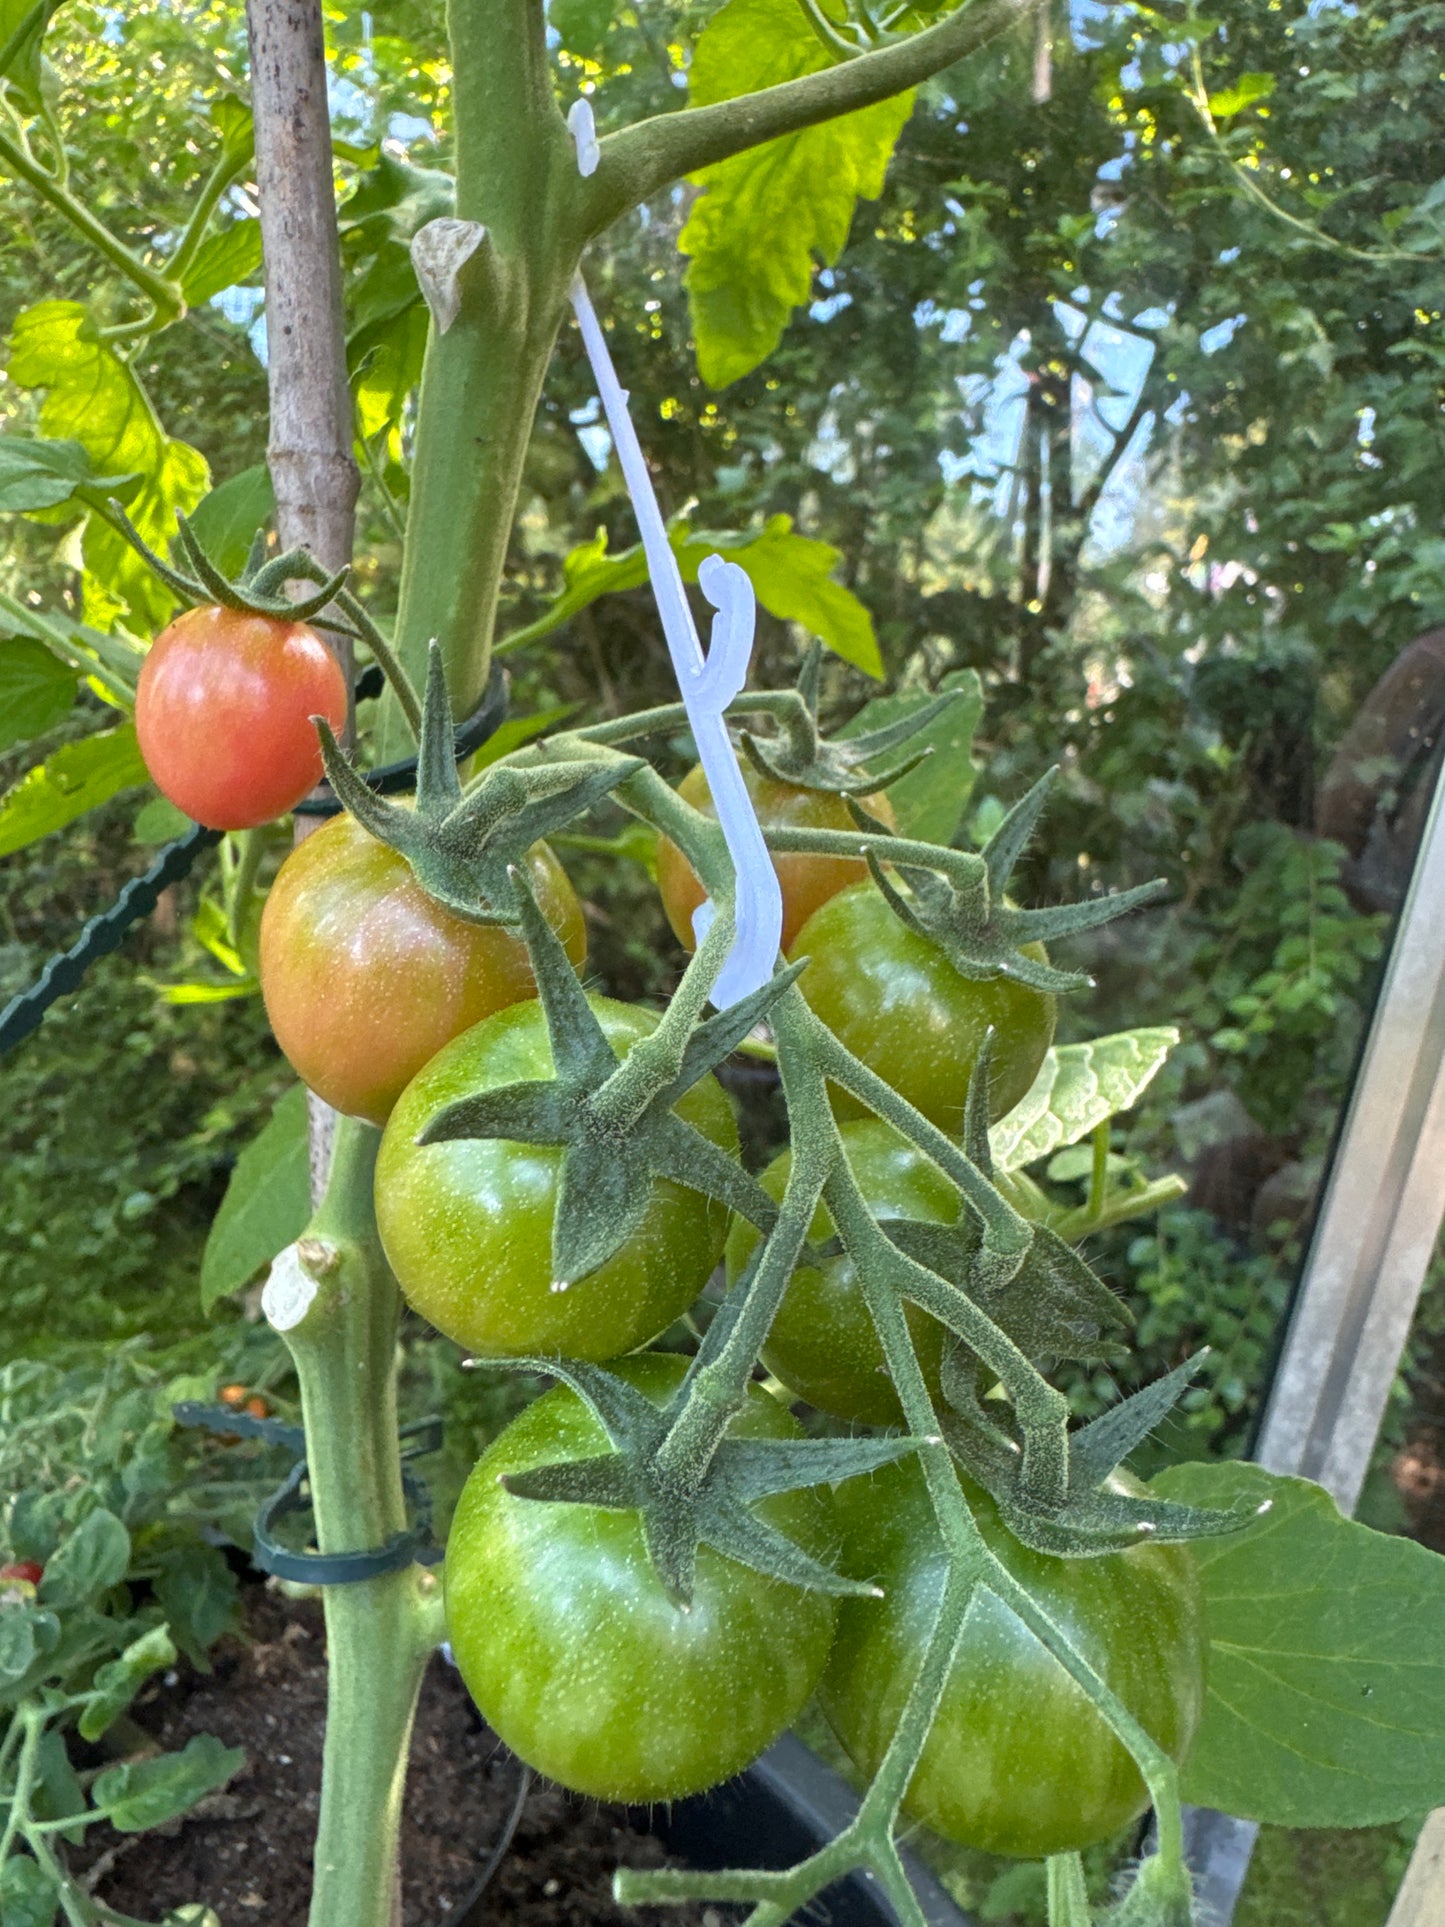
(1126, 392)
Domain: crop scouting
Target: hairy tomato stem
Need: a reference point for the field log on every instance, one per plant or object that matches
(379, 1632)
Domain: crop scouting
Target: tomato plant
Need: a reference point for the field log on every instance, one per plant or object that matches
(1017, 1760)
(822, 1345)
(807, 881)
(573, 1651)
(223, 714)
(366, 977)
(468, 1226)
(894, 999)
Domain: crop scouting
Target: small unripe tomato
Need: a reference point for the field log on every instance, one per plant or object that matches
(806, 881)
(223, 714)
(893, 998)
(366, 977)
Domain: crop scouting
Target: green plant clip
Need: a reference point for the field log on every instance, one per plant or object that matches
(414, 1545)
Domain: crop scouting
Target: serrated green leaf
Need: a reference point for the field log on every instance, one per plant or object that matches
(225, 521)
(1325, 1704)
(29, 1896)
(1079, 1086)
(791, 575)
(225, 260)
(929, 801)
(76, 778)
(199, 1596)
(36, 688)
(767, 215)
(145, 1793)
(95, 1557)
(119, 1680)
(96, 399)
(36, 473)
(266, 1206)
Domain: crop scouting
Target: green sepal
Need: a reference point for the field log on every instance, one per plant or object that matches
(463, 845)
(719, 1512)
(798, 754)
(259, 592)
(613, 1153)
(1091, 1519)
(964, 910)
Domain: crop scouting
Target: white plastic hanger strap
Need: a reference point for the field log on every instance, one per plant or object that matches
(708, 682)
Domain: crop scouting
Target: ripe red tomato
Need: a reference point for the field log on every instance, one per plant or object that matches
(899, 1005)
(576, 1656)
(366, 977)
(27, 1571)
(806, 881)
(1017, 1761)
(823, 1346)
(223, 714)
(467, 1225)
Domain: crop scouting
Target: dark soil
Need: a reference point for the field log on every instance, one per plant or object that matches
(246, 1851)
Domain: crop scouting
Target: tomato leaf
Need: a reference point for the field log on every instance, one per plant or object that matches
(1079, 1086)
(929, 801)
(29, 1895)
(119, 1680)
(95, 1557)
(22, 29)
(40, 474)
(229, 257)
(1244, 93)
(266, 1205)
(791, 574)
(139, 1794)
(766, 214)
(199, 1594)
(225, 521)
(97, 400)
(35, 689)
(1326, 1678)
(76, 778)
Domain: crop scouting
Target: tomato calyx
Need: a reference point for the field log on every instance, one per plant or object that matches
(959, 903)
(616, 1120)
(260, 590)
(797, 752)
(1096, 1515)
(715, 1508)
(463, 845)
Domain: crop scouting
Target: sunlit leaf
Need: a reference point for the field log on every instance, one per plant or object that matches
(267, 1202)
(76, 778)
(768, 215)
(1079, 1086)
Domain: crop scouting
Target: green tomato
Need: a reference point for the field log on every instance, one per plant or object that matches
(1017, 1761)
(822, 1345)
(576, 1656)
(893, 998)
(467, 1225)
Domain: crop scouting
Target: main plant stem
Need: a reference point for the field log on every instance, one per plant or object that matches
(379, 1632)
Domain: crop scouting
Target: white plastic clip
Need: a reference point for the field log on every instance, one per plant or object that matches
(582, 126)
(708, 683)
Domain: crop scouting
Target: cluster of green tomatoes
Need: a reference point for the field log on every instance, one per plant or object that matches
(392, 1009)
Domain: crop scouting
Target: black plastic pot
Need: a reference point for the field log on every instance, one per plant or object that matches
(783, 1808)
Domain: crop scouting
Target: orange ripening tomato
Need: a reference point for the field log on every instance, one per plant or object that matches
(223, 714)
(806, 881)
(366, 977)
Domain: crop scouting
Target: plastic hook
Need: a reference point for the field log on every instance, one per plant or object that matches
(708, 682)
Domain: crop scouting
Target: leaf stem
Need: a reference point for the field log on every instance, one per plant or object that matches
(163, 293)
